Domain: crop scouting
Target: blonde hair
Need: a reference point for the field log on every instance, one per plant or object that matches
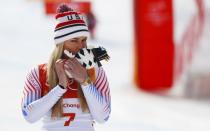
(52, 79)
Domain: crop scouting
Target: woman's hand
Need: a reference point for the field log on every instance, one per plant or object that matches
(78, 72)
(59, 67)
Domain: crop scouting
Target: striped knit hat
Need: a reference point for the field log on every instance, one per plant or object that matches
(70, 25)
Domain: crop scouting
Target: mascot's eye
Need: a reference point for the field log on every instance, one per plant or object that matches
(77, 56)
(82, 52)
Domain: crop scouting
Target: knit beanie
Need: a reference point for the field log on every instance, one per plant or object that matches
(70, 24)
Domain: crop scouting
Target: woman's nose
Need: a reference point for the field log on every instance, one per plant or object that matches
(82, 44)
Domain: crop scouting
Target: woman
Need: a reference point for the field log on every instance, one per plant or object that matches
(64, 103)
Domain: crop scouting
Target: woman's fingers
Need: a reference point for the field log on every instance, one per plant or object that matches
(60, 60)
(77, 71)
(76, 61)
(67, 67)
(72, 64)
(68, 64)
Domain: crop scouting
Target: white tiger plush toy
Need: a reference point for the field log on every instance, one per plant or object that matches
(90, 58)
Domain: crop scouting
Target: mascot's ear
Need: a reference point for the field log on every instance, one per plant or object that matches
(100, 54)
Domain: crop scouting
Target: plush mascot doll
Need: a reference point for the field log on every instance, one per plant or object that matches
(90, 58)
